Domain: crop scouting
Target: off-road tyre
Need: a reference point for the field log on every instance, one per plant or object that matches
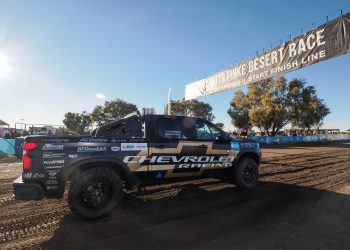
(246, 174)
(95, 193)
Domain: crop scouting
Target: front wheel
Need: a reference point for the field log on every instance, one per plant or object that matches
(95, 193)
(246, 174)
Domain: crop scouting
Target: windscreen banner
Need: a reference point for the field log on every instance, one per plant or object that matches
(327, 41)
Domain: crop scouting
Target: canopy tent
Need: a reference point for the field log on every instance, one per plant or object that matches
(2, 123)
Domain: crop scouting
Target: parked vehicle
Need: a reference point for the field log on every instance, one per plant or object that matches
(132, 152)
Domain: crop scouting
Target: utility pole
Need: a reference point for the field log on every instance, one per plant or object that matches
(169, 102)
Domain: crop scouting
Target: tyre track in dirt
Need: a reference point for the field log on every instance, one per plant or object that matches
(320, 172)
(30, 224)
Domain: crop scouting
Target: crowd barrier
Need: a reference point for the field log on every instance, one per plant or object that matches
(297, 139)
(11, 146)
(15, 146)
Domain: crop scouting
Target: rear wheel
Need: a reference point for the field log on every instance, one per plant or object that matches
(95, 193)
(246, 174)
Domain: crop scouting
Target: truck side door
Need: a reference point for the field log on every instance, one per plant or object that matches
(218, 145)
(173, 148)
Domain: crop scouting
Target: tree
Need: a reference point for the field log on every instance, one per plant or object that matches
(307, 110)
(269, 105)
(272, 104)
(239, 112)
(192, 108)
(77, 122)
(112, 111)
(220, 125)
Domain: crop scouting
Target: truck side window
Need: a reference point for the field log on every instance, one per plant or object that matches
(205, 131)
(172, 129)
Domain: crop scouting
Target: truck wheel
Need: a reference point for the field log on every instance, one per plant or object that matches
(95, 193)
(246, 174)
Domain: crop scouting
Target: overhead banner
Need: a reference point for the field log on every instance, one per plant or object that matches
(327, 41)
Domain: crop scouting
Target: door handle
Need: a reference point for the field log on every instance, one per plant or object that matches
(159, 146)
(203, 146)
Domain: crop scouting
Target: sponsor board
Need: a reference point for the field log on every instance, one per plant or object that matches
(90, 139)
(133, 146)
(48, 155)
(53, 147)
(91, 149)
(115, 149)
(329, 40)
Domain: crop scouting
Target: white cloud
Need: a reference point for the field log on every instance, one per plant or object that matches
(5, 66)
(100, 96)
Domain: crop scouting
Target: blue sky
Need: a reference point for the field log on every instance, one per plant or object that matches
(56, 55)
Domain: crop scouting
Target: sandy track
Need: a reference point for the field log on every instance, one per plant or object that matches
(302, 201)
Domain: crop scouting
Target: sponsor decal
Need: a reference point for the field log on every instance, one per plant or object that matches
(54, 167)
(53, 147)
(115, 149)
(50, 182)
(91, 149)
(56, 140)
(48, 155)
(248, 144)
(33, 175)
(183, 161)
(159, 175)
(118, 140)
(172, 133)
(52, 173)
(133, 146)
(53, 162)
(51, 187)
(27, 175)
(90, 139)
(235, 145)
(73, 156)
(38, 175)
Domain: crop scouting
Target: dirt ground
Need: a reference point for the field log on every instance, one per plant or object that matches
(302, 202)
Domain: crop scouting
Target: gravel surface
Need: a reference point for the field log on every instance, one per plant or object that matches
(302, 201)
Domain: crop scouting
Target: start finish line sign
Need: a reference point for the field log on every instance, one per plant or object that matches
(327, 41)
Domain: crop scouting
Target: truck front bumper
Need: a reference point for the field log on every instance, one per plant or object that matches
(27, 191)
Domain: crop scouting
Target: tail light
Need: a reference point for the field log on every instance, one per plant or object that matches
(27, 160)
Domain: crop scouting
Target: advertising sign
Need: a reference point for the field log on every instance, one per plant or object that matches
(327, 41)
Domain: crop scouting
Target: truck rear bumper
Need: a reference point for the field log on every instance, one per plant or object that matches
(27, 191)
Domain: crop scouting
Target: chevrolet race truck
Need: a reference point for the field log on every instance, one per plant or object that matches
(129, 153)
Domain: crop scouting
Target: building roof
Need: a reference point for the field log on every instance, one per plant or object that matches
(2, 123)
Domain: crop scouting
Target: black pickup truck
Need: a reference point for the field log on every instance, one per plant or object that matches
(129, 153)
